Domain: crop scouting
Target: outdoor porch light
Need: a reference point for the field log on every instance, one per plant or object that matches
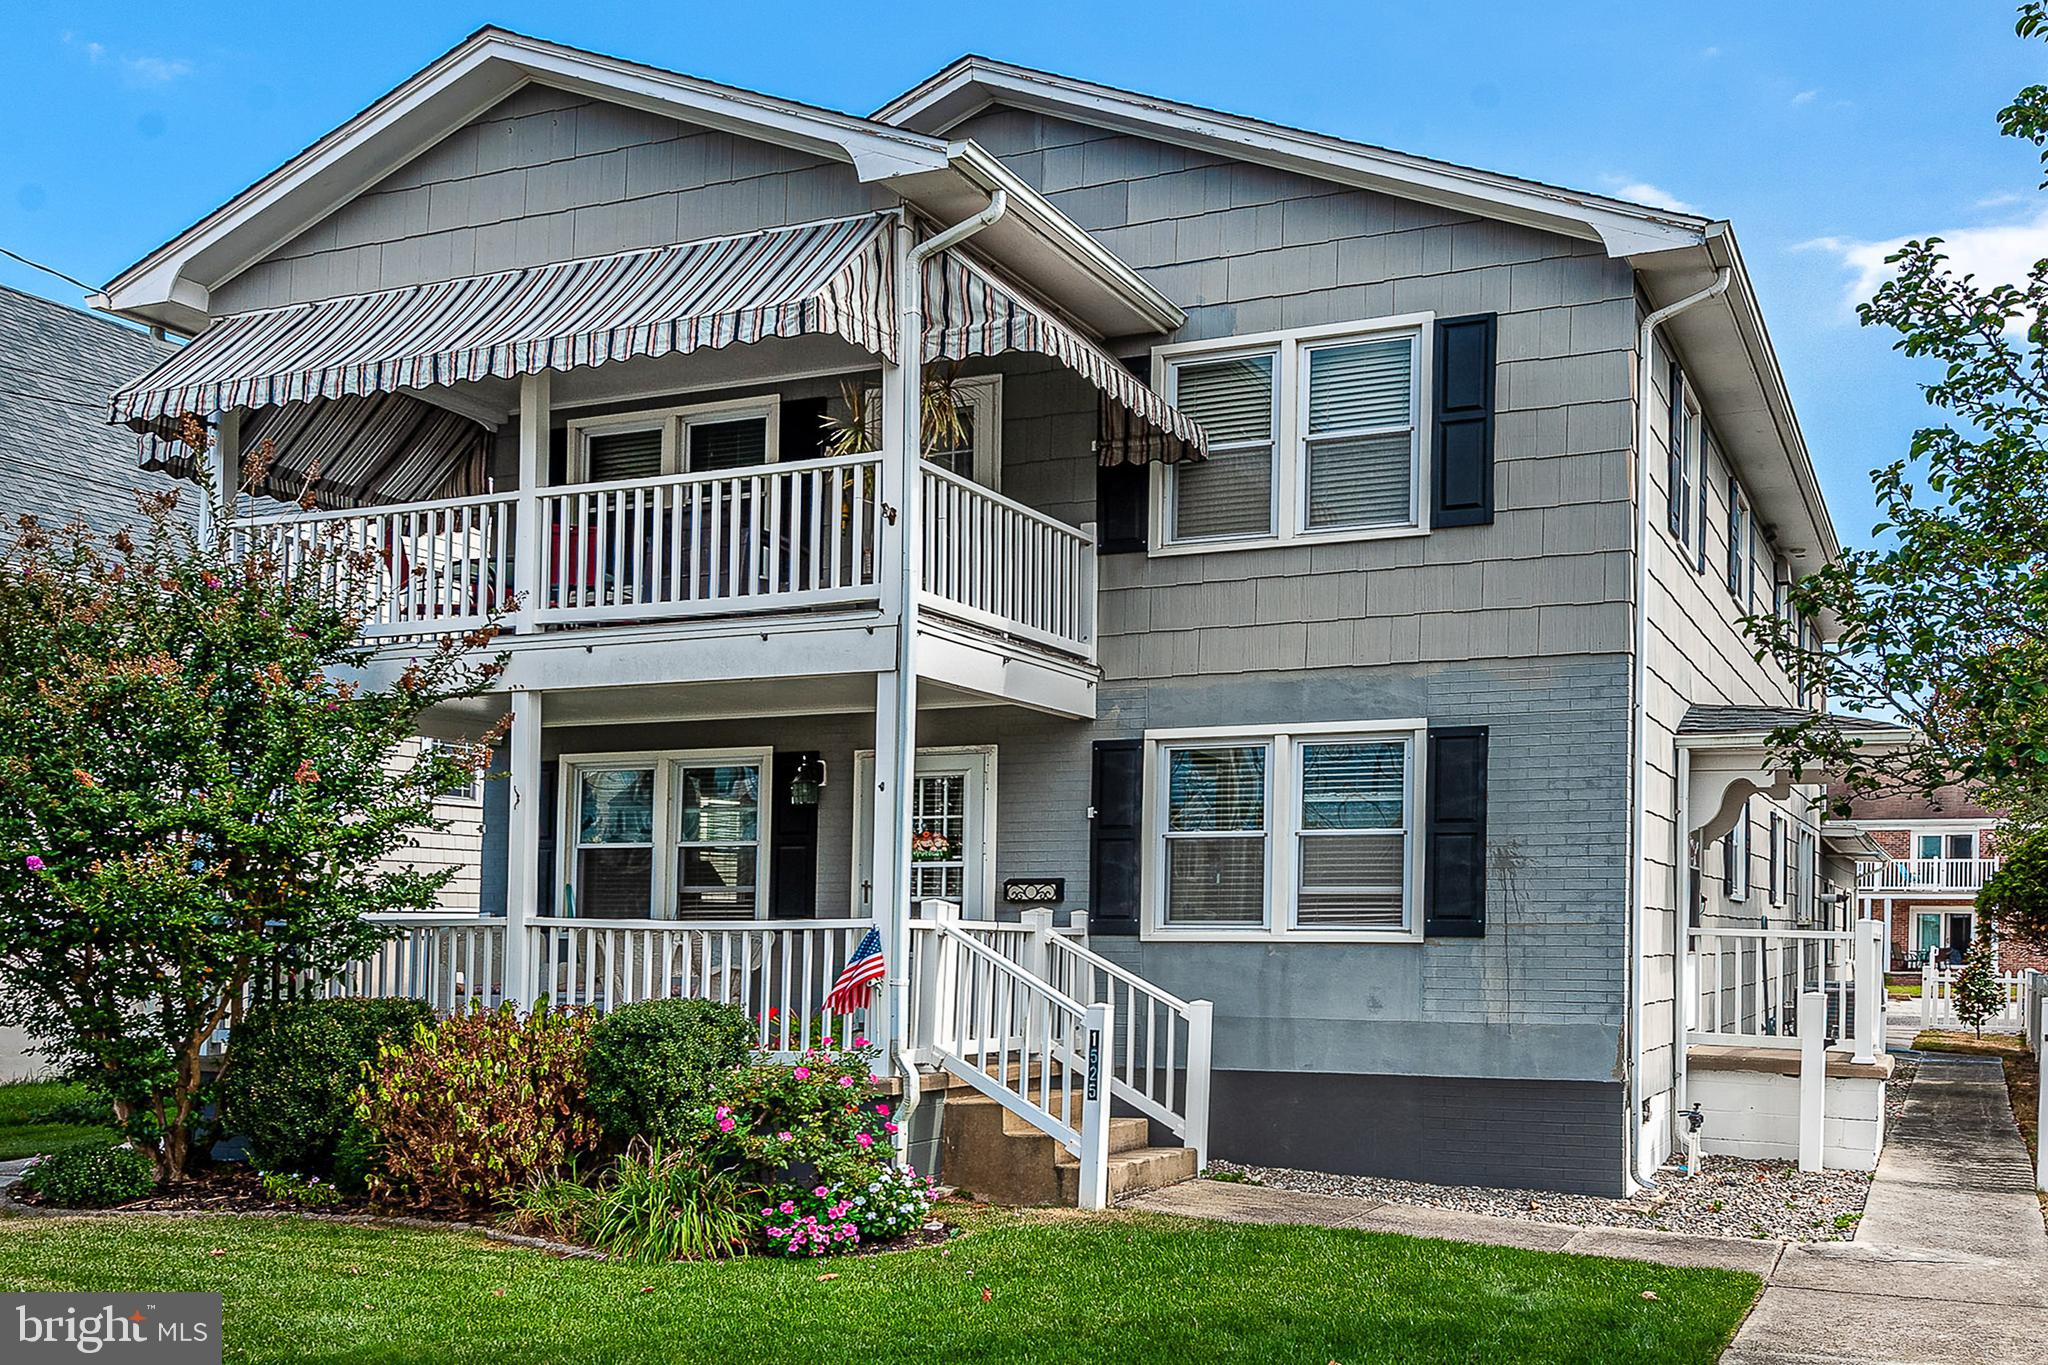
(804, 783)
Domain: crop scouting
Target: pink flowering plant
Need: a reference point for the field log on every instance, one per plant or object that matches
(819, 1220)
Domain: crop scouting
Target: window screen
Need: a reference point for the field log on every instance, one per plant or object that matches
(1216, 835)
(1231, 492)
(1359, 444)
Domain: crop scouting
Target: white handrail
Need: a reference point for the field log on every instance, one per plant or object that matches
(1010, 1034)
(1744, 984)
(1160, 1036)
(1927, 874)
(296, 517)
(992, 561)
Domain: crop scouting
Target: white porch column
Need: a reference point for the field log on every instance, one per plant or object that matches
(896, 691)
(1813, 1079)
(528, 571)
(522, 846)
(224, 462)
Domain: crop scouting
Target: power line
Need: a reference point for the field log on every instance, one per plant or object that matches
(47, 269)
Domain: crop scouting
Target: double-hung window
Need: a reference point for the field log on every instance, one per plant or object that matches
(668, 835)
(1316, 434)
(1307, 832)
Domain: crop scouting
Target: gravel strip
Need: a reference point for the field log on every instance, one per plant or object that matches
(1904, 1069)
(1768, 1200)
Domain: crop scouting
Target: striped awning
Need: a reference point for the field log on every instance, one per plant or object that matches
(823, 278)
(358, 451)
(971, 311)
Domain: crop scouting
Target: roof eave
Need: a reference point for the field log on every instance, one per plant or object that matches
(972, 83)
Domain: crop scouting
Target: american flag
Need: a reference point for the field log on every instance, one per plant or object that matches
(856, 983)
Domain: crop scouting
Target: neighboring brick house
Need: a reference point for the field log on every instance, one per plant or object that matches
(1939, 851)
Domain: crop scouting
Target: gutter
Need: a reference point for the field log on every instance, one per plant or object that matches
(1633, 1173)
(909, 541)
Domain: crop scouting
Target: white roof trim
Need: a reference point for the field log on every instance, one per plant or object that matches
(972, 83)
(479, 73)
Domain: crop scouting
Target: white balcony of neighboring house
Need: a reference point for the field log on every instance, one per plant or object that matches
(1938, 875)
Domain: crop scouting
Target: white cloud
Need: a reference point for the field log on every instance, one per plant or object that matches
(1806, 97)
(2000, 253)
(157, 70)
(1709, 53)
(1643, 192)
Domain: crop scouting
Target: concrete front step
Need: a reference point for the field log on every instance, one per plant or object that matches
(991, 1153)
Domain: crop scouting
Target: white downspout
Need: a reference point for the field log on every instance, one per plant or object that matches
(1639, 723)
(910, 366)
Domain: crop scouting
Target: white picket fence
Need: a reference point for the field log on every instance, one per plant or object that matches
(1938, 1006)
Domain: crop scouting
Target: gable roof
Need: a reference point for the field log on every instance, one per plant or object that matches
(59, 367)
(171, 285)
(972, 83)
(1727, 350)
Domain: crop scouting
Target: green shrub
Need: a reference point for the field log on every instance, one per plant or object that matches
(471, 1109)
(652, 1206)
(292, 1072)
(653, 1064)
(91, 1175)
(357, 1157)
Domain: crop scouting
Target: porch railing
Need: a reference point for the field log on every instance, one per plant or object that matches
(1743, 986)
(767, 537)
(993, 562)
(1926, 874)
(440, 566)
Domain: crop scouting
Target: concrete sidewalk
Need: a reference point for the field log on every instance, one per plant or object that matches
(1950, 1262)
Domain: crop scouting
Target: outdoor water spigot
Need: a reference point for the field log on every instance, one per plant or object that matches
(1694, 1119)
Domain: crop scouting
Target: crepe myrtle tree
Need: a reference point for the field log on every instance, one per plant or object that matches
(1943, 620)
(196, 799)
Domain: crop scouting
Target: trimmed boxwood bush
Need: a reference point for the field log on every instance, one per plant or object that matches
(652, 1065)
(293, 1068)
(90, 1175)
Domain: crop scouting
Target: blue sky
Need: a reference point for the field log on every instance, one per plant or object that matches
(1823, 131)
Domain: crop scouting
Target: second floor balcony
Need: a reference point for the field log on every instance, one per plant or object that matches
(1944, 875)
(769, 539)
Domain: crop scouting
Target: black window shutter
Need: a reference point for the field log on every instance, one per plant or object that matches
(1116, 835)
(1674, 467)
(793, 850)
(1454, 871)
(544, 848)
(1461, 460)
(1123, 494)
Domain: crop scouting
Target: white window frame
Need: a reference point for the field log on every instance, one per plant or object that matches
(1736, 888)
(1289, 348)
(983, 395)
(674, 423)
(1283, 829)
(667, 844)
(473, 793)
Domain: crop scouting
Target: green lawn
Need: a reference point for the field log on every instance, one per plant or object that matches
(1059, 1287)
(22, 1135)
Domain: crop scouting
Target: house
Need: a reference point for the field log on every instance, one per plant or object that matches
(1934, 855)
(1295, 708)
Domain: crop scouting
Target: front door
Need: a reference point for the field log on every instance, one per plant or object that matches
(951, 829)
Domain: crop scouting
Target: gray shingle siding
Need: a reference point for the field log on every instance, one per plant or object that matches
(546, 176)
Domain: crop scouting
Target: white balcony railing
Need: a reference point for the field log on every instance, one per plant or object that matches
(441, 566)
(994, 562)
(767, 538)
(1926, 874)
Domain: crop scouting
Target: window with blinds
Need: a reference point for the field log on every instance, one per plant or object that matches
(718, 850)
(1353, 841)
(726, 443)
(1216, 836)
(614, 843)
(1230, 494)
(1359, 437)
(623, 453)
